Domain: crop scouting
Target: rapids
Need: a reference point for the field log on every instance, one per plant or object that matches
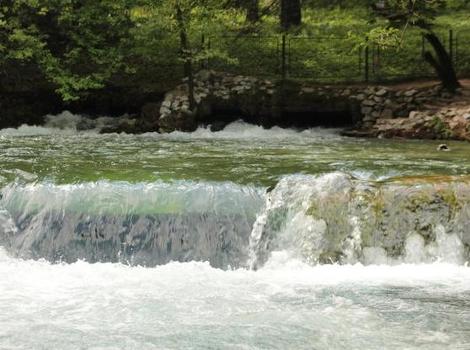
(240, 239)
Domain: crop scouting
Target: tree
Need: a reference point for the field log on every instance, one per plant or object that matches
(78, 44)
(291, 14)
(251, 7)
(186, 18)
(186, 53)
(252, 11)
(421, 14)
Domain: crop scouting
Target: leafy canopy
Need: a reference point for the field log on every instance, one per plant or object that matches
(77, 44)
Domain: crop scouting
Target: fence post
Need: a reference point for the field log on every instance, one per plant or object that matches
(203, 47)
(366, 63)
(208, 45)
(283, 58)
(451, 45)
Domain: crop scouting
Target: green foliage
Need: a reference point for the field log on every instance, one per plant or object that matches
(440, 128)
(418, 13)
(78, 45)
(83, 45)
(158, 31)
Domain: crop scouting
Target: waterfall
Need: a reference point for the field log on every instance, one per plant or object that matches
(335, 218)
(141, 224)
(332, 218)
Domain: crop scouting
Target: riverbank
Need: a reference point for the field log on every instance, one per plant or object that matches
(420, 110)
(415, 109)
(445, 118)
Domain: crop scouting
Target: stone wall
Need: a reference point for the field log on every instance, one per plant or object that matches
(449, 121)
(251, 97)
(264, 101)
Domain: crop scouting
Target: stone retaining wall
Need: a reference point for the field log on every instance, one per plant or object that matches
(263, 101)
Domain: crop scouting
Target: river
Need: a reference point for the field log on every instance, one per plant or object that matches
(240, 239)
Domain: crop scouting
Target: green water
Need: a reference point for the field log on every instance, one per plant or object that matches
(248, 155)
(186, 206)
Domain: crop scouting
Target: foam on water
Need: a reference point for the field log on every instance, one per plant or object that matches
(341, 263)
(64, 123)
(336, 218)
(318, 219)
(67, 123)
(285, 305)
(240, 130)
(27, 130)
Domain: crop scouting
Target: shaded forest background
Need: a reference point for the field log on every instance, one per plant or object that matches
(113, 56)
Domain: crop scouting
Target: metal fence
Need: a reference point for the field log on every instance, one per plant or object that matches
(324, 58)
(462, 53)
(254, 55)
(329, 58)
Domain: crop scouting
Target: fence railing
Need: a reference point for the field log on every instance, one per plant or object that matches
(462, 52)
(329, 58)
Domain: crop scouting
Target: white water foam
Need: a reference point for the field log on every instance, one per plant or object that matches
(64, 123)
(67, 123)
(300, 233)
(285, 305)
(335, 218)
(27, 130)
(240, 130)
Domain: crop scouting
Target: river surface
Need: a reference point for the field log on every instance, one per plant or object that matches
(241, 239)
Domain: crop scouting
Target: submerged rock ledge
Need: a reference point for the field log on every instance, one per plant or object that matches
(336, 218)
(331, 218)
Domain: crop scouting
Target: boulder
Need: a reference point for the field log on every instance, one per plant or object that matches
(410, 93)
(381, 93)
(179, 121)
(149, 116)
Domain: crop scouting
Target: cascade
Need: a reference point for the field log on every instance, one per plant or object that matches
(335, 218)
(331, 218)
(141, 224)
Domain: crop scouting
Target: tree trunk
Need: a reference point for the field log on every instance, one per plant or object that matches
(442, 63)
(291, 14)
(252, 11)
(185, 54)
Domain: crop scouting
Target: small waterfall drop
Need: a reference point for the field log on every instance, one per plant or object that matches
(335, 218)
(141, 224)
(332, 218)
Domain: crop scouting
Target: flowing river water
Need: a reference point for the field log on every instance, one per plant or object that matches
(240, 239)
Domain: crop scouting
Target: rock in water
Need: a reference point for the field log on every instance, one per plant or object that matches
(443, 148)
(218, 126)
